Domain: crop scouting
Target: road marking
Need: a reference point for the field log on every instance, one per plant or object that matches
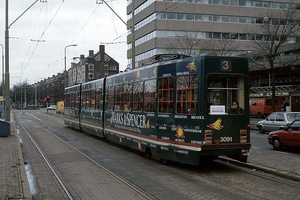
(34, 116)
(282, 152)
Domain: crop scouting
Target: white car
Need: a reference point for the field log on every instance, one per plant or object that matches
(52, 107)
(276, 121)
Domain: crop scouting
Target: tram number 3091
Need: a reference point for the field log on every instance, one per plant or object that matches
(225, 139)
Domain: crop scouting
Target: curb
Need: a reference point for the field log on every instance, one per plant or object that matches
(24, 184)
(295, 177)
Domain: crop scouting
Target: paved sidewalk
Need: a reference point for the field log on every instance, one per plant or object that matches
(13, 180)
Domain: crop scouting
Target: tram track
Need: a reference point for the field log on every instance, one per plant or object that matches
(260, 171)
(243, 191)
(212, 181)
(58, 175)
(261, 174)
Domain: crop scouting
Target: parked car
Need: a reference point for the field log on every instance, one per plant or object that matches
(276, 121)
(51, 107)
(288, 137)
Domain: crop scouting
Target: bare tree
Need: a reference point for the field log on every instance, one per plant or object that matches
(278, 29)
(220, 47)
(191, 44)
(186, 44)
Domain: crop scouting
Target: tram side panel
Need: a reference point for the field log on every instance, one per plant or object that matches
(179, 127)
(92, 107)
(72, 106)
(127, 119)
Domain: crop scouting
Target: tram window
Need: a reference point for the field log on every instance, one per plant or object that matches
(67, 101)
(98, 100)
(118, 97)
(110, 98)
(149, 95)
(72, 100)
(186, 94)
(93, 99)
(137, 96)
(77, 100)
(83, 99)
(88, 100)
(222, 90)
(165, 95)
(127, 94)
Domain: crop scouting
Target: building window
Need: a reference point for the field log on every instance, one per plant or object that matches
(91, 67)
(91, 76)
(189, 16)
(198, 17)
(105, 66)
(242, 2)
(107, 58)
(225, 18)
(171, 15)
(113, 67)
(97, 58)
(234, 2)
(225, 2)
(216, 35)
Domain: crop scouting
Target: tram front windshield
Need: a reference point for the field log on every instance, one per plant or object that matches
(225, 91)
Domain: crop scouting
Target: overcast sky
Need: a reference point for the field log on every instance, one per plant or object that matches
(58, 23)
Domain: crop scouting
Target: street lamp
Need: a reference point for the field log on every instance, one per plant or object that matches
(71, 45)
(7, 89)
(2, 110)
(2, 69)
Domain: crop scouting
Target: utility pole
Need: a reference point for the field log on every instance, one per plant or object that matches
(132, 37)
(65, 58)
(132, 29)
(7, 81)
(7, 91)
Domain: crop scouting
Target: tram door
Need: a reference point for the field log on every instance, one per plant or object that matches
(165, 102)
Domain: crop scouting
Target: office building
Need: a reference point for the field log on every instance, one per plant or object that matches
(218, 27)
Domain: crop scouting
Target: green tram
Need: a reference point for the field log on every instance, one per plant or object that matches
(178, 110)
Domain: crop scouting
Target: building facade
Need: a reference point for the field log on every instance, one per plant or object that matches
(219, 27)
(83, 69)
(161, 23)
(94, 66)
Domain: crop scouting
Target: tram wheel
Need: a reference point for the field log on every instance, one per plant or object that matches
(148, 153)
(164, 161)
(243, 159)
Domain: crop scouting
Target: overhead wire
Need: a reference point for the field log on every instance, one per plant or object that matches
(35, 27)
(42, 36)
(82, 28)
(60, 57)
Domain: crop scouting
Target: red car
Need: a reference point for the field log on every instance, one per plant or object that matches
(287, 137)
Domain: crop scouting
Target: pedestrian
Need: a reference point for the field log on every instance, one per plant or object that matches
(235, 108)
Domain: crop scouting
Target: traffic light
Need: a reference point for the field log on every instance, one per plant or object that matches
(47, 99)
